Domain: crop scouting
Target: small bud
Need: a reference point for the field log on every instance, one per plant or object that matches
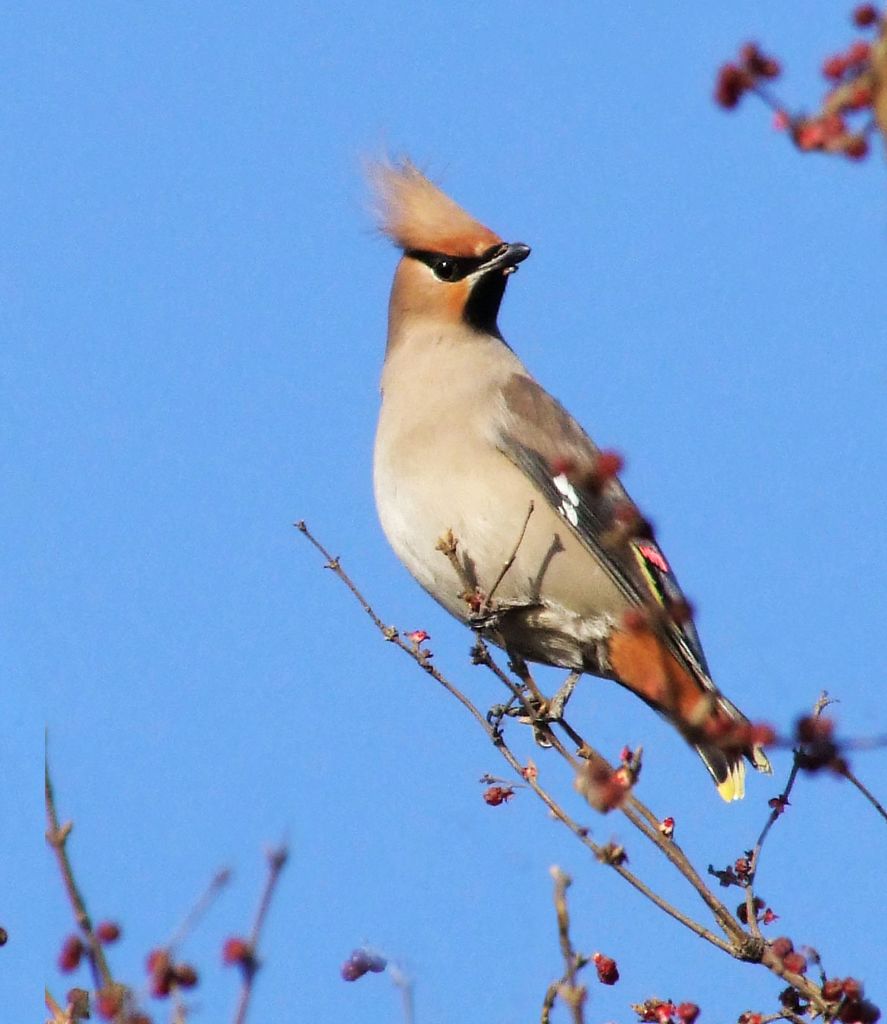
(769, 917)
(851, 988)
(730, 84)
(687, 1013)
(666, 827)
(417, 636)
(607, 465)
(607, 971)
(351, 971)
(496, 795)
(236, 950)
(108, 1002)
(781, 121)
(856, 147)
(157, 961)
(832, 990)
(834, 67)
(107, 932)
(71, 954)
(185, 975)
(781, 947)
(778, 804)
(812, 728)
(864, 15)
(858, 53)
(795, 963)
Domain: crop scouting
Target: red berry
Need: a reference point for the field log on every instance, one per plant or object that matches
(108, 1002)
(730, 84)
(857, 147)
(607, 465)
(851, 988)
(607, 971)
(71, 954)
(834, 67)
(864, 15)
(108, 931)
(859, 52)
(832, 990)
(795, 963)
(157, 961)
(860, 98)
(687, 1012)
(236, 951)
(813, 728)
(351, 971)
(496, 795)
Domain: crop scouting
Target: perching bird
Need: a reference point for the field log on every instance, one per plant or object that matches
(468, 442)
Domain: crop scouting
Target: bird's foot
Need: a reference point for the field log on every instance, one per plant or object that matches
(558, 703)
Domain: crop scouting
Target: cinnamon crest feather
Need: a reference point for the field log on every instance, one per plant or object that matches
(415, 214)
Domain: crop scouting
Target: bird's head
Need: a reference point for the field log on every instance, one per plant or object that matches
(453, 269)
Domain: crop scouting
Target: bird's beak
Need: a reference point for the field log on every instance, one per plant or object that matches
(506, 258)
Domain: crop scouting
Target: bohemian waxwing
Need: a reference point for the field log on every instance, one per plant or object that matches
(469, 443)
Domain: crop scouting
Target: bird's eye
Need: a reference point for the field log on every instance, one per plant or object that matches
(446, 269)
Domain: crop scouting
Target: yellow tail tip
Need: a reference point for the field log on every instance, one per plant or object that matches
(733, 787)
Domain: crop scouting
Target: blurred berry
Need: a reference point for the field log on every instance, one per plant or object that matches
(71, 954)
(107, 931)
(236, 950)
(687, 1012)
(185, 975)
(795, 962)
(865, 15)
(781, 947)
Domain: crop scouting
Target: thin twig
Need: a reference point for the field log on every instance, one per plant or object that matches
(276, 860)
(203, 903)
(509, 562)
(581, 833)
(57, 837)
(572, 993)
(867, 793)
(743, 946)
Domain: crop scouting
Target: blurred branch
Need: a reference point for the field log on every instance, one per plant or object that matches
(277, 858)
(57, 836)
(572, 993)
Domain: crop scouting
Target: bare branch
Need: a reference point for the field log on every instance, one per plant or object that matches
(276, 859)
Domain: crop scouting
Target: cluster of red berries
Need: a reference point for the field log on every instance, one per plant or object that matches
(736, 737)
(763, 914)
(73, 948)
(361, 962)
(818, 747)
(852, 1008)
(735, 79)
(852, 77)
(664, 1011)
(784, 950)
(164, 974)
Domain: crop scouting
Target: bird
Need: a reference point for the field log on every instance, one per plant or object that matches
(498, 502)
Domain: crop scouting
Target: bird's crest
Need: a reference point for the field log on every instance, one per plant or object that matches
(415, 214)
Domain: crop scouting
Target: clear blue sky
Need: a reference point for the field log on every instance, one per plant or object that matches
(193, 309)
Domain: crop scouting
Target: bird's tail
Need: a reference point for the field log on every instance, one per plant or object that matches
(725, 762)
(684, 694)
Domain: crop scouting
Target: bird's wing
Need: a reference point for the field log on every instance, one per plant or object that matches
(545, 442)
